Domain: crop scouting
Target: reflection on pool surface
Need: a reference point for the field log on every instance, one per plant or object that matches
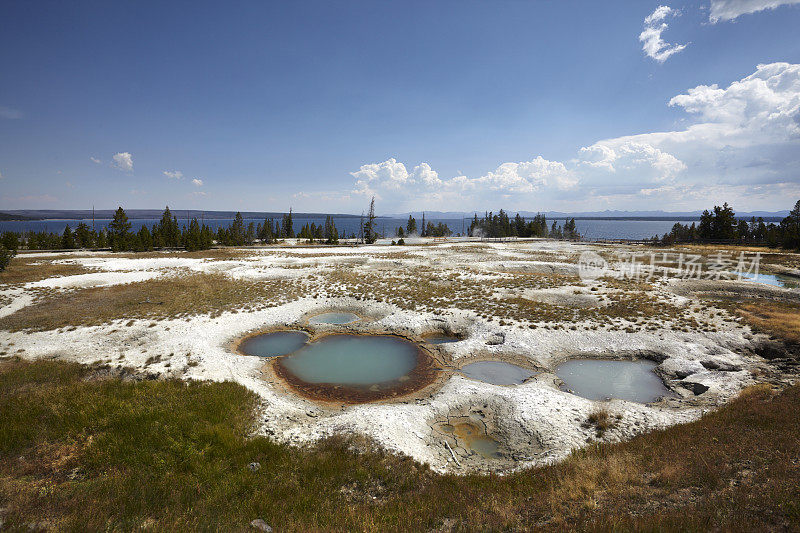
(777, 280)
(353, 360)
(273, 344)
(599, 379)
(334, 318)
(497, 372)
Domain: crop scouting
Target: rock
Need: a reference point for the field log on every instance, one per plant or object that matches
(721, 365)
(261, 525)
(696, 388)
(495, 339)
(254, 467)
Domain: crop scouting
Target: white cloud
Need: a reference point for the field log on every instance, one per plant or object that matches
(95, 160)
(745, 142)
(391, 181)
(10, 113)
(741, 144)
(652, 43)
(197, 182)
(173, 174)
(123, 161)
(722, 10)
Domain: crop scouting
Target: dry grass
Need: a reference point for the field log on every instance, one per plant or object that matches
(85, 454)
(779, 318)
(161, 298)
(26, 270)
(602, 421)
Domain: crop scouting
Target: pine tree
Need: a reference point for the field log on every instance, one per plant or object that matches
(67, 240)
(119, 231)
(6, 255)
(370, 236)
(194, 239)
(237, 234)
(169, 233)
(250, 234)
(287, 226)
(422, 227)
(331, 235)
(790, 227)
(83, 236)
(411, 225)
(145, 239)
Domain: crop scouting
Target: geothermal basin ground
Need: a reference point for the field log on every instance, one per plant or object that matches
(524, 303)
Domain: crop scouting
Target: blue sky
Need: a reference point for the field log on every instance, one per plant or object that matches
(539, 105)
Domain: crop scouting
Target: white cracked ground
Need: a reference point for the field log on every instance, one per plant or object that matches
(534, 422)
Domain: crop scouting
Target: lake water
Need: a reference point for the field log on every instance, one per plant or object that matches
(601, 379)
(590, 229)
(353, 360)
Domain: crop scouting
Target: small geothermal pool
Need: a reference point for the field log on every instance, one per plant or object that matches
(497, 372)
(334, 318)
(472, 438)
(273, 344)
(777, 280)
(601, 379)
(357, 368)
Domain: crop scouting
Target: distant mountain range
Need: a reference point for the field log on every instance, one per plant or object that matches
(183, 214)
(607, 215)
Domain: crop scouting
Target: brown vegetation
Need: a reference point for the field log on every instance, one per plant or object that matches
(161, 298)
(81, 453)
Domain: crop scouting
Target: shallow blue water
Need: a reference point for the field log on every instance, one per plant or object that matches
(777, 280)
(274, 344)
(497, 372)
(334, 318)
(353, 360)
(598, 379)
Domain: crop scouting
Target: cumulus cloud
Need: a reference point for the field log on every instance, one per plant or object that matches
(741, 143)
(392, 175)
(722, 10)
(173, 174)
(95, 160)
(744, 140)
(391, 180)
(123, 161)
(197, 182)
(653, 44)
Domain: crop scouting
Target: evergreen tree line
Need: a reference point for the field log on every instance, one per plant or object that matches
(721, 224)
(500, 225)
(167, 233)
(428, 229)
(326, 233)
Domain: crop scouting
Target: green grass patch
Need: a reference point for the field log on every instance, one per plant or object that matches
(78, 453)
